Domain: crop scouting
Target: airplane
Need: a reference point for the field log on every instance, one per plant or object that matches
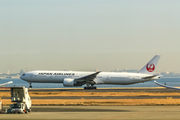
(6, 83)
(166, 86)
(77, 78)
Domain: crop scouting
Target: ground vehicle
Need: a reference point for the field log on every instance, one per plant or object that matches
(19, 108)
(21, 99)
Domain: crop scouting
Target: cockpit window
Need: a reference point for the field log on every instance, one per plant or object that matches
(23, 75)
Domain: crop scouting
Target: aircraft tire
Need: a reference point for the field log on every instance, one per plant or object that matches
(89, 88)
(94, 88)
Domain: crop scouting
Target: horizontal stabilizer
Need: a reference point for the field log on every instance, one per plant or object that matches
(149, 77)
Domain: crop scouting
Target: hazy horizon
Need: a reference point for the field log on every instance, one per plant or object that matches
(88, 35)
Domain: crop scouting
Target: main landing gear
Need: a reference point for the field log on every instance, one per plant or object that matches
(92, 88)
(30, 86)
(89, 87)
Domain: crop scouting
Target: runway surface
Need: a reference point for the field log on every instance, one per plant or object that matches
(160, 90)
(99, 113)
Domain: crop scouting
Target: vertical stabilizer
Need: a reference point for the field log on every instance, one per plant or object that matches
(150, 67)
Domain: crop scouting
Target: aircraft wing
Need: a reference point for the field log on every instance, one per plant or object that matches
(170, 87)
(88, 78)
(6, 83)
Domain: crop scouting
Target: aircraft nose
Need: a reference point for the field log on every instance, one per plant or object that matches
(22, 76)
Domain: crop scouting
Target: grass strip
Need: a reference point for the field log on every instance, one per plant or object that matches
(66, 102)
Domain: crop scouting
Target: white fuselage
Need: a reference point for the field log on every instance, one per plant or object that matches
(119, 78)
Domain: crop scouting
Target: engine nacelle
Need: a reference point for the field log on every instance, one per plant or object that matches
(69, 82)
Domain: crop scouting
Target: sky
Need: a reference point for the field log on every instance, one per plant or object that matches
(85, 35)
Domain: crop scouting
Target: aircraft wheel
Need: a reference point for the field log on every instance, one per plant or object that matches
(90, 88)
(85, 88)
(29, 110)
(30, 86)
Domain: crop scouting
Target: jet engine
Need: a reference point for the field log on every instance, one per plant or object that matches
(69, 82)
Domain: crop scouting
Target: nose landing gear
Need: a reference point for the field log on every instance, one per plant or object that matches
(30, 86)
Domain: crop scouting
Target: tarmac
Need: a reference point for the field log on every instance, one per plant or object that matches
(98, 112)
(158, 89)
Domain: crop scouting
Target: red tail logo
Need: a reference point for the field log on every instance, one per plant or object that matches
(150, 67)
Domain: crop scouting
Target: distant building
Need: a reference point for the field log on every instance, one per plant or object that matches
(96, 70)
(124, 70)
(21, 72)
(8, 72)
